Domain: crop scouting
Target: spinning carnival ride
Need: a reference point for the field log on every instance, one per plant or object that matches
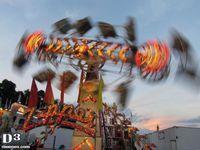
(67, 45)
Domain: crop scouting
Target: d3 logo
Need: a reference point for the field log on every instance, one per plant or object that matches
(7, 138)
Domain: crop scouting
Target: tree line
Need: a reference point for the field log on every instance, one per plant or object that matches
(9, 95)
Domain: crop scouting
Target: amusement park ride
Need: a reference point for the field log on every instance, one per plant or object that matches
(93, 120)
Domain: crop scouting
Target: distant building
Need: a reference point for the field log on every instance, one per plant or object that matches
(176, 138)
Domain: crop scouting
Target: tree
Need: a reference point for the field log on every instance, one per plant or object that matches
(8, 92)
(9, 95)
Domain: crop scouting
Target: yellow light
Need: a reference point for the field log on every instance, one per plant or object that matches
(21, 110)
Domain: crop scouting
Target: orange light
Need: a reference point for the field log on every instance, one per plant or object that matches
(85, 141)
(33, 41)
(152, 57)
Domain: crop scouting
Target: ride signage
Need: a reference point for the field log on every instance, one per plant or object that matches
(68, 116)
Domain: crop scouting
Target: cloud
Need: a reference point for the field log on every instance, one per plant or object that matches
(190, 122)
(140, 119)
(12, 2)
(158, 8)
(72, 13)
(9, 2)
(163, 122)
(149, 124)
(166, 105)
(195, 120)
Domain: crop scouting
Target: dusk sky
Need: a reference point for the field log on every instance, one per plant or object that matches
(166, 104)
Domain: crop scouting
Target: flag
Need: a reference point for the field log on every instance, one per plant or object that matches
(100, 101)
(33, 98)
(62, 90)
(49, 98)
